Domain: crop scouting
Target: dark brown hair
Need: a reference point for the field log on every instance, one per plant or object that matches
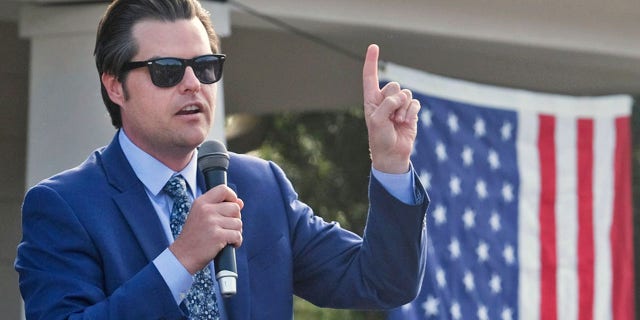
(116, 46)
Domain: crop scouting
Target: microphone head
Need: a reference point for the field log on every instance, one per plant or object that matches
(213, 155)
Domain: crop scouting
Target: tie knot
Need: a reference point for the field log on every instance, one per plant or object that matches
(176, 187)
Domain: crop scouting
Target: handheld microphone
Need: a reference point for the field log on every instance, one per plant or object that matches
(213, 162)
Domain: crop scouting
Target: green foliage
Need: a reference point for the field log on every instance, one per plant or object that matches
(325, 155)
(306, 311)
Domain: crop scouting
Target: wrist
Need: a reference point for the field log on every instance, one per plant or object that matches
(187, 262)
(391, 166)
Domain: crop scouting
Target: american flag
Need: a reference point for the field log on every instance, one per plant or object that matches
(531, 212)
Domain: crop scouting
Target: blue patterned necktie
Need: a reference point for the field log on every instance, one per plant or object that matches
(201, 299)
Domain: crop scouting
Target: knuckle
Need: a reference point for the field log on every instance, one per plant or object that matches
(239, 238)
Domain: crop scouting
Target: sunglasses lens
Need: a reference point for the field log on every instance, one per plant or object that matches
(166, 72)
(208, 69)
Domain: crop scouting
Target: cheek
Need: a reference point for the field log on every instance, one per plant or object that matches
(139, 83)
(143, 93)
(211, 92)
(143, 102)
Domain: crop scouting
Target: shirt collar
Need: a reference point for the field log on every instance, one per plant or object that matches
(153, 173)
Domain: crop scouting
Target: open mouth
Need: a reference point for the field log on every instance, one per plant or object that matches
(189, 110)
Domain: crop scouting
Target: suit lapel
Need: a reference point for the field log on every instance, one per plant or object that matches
(133, 201)
(144, 223)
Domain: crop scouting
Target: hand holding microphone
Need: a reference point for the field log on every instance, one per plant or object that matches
(213, 161)
(213, 226)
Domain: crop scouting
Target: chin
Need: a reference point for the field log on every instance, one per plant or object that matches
(192, 140)
(201, 138)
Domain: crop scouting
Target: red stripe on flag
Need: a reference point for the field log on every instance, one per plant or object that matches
(622, 227)
(547, 153)
(585, 219)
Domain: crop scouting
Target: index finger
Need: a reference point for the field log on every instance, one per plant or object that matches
(370, 84)
(221, 193)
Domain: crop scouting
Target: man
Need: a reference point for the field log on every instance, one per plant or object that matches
(105, 240)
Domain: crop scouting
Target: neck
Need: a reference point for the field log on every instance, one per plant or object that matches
(174, 157)
(175, 161)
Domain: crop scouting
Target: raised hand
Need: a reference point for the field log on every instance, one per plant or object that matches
(391, 115)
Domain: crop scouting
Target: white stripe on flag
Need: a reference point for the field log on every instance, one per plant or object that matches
(603, 149)
(566, 218)
(528, 208)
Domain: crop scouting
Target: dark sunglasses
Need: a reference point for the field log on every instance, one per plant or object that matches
(167, 72)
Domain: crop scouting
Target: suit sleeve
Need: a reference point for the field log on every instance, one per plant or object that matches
(336, 268)
(61, 271)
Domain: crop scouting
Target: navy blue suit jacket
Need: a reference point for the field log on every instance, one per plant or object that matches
(90, 235)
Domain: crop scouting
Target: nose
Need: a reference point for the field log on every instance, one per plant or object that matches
(190, 82)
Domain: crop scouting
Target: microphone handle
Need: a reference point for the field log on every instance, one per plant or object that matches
(225, 261)
(214, 177)
(226, 271)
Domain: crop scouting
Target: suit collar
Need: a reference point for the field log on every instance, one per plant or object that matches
(117, 169)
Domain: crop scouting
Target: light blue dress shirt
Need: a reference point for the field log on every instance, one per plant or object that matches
(154, 175)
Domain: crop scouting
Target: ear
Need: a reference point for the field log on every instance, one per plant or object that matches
(114, 88)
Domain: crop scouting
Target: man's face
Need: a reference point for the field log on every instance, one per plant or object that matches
(174, 120)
